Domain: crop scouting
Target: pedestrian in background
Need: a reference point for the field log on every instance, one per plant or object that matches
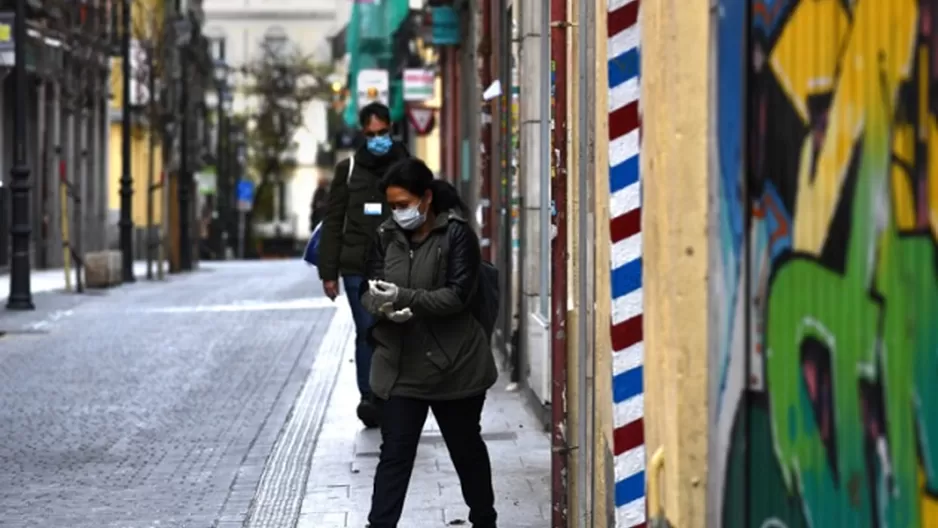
(431, 351)
(355, 208)
(319, 204)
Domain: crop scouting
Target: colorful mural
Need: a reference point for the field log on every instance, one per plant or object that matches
(626, 263)
(827, 394)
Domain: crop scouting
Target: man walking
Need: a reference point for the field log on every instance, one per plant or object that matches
(355, 209)
(317, 208)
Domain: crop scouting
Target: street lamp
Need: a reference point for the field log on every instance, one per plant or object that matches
(126, 222)
(223, 190)
(21, 297)
(184, 190)
(237, 157)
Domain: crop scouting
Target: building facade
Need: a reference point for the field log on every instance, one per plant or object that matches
(66, 129)
(790, 267)
(239, 29)
(826, 409)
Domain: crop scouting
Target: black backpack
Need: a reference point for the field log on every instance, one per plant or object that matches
(485, 302)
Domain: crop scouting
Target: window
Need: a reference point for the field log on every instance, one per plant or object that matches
(275, 41)
(217, 42)
(218, 48)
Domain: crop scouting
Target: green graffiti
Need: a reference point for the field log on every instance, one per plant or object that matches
(848, 428)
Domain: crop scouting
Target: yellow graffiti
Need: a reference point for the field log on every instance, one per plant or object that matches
(904, 203)
(929, 503)
(932, 190)
(872, 66)
(805, 57)
(903, 195)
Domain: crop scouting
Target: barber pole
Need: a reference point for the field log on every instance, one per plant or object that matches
(625, 211)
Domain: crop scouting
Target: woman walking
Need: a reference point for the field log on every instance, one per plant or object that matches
(430, 351)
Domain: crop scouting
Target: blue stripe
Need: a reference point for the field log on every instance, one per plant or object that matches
(627, 278)
(624, 174)
(623, 67)
(627, 384)
(630, 489)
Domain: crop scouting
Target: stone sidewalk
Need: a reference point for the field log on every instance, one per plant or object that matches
(53, 280)
(338, 492)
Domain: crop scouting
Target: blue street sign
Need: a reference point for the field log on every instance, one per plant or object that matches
(245, 194)
(246, 190)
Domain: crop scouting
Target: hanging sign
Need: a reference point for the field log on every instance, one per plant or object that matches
(7, 56)
(444, 29)
(421, 118)
(372, 86)
(418, 84)
(207, 181)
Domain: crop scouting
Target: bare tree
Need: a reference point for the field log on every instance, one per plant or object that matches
(148, 53)
(280, 84)
(81, 86)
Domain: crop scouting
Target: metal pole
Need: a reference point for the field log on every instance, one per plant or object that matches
(586, 401)
(221, 178)
(558, 321)
(126, 219)
(54, 177)
(74, 175)
(104, 134)
(63, 222)
(544, 129)
(508, 178)
(94, 233)
(234, 162)
(185, 183)
(241, 234)
(225, 186)
(152, 187)
(42, 182)
(21, 297)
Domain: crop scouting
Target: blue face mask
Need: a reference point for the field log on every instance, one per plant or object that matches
(379, 145)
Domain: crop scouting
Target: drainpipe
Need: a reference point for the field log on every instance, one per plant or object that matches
(558, 286)
(485, 157)
(447, 121)
(446, 113)
(455, 141)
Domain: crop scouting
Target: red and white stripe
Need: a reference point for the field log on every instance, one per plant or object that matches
(625, 204)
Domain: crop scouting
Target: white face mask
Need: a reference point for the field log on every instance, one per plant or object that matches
(410, 218)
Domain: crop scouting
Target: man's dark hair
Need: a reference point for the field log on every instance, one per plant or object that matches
(371, 110)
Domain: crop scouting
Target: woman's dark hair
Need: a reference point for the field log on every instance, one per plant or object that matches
(371, 110)
(416, 178)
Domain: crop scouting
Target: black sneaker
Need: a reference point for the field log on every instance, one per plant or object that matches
(369, 413)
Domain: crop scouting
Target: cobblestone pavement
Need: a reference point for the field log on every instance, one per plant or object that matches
(155, 404)
(338, 492)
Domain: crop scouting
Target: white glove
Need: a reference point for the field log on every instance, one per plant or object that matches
(401, 316)
(383, 292)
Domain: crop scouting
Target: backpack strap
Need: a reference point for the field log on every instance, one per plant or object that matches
(444, 247)
(348, 179)
(384, 239)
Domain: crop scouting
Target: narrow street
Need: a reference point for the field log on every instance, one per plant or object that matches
(198, 402)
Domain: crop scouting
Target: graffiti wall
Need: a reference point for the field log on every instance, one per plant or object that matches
(828, 349)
